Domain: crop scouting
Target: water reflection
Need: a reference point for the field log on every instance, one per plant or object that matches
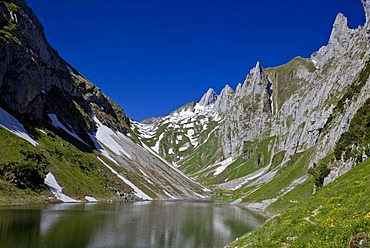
(142, 224)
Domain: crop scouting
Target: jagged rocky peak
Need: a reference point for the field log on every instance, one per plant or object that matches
(209, 98)
(366, 4)
(254, 81)
(187, 107)
(35, 81)
(226, 91)
(149, 121)
(224, 99)
(339, 41)
(238, 89)
(340, 29)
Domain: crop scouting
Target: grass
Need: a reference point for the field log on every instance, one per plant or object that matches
(206, 153)
(256, 154)
(355, 142)
(11, 7)
(285, 78)
(331, 218)
(8, 26)
(349, 94)
(78, 172)
(278, 159)
(296, 167)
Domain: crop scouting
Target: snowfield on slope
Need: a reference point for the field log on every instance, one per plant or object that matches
(56, 123)
(138, 192)
(57, 190)
(11, 124)
(109, 138)
(223, 165)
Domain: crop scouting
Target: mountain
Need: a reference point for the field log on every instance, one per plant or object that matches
(58, 128)
(291, 141)
(279, 129)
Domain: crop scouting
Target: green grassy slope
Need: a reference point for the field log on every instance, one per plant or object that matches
(330, 218)
(79, 173)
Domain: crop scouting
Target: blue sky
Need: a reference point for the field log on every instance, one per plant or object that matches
(153, 56)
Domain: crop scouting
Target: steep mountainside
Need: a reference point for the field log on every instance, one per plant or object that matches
(261, 140)
(74, 130)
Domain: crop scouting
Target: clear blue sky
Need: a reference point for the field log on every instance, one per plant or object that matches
(153, 56)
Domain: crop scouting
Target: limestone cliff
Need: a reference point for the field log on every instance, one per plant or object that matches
(78, 133)
(278, 114)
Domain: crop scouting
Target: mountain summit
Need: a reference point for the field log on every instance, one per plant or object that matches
(290, 117)
(76, 135)
(209, 98)
(286, 135)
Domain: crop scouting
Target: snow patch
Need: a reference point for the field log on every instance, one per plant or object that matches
(169, 195)
(170, 151)
(252, 176)
(101, 149)
(138, 192)
(56, 123)
(199, 195)
(110, 139)
(223, 165)
(156, 146)
(42, 131)
(190, 125)
(90, 199)
(190, 132)
(315, 63)
(11, 124)
(146, 177)
(56, 189)
(184, 148)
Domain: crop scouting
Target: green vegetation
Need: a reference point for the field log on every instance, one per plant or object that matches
(7, 25)
(23, 168)
(285, 77)
(355, 88)
(319, 173)
(334, 216)
(295, 168)
(278, 159)
(27, 173)
(206, 153)
(355, 142)
(350, 93)
(80, 173)
(256, 154)
(11, 7)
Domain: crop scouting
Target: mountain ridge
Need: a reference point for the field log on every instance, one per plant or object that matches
(54, 102)
(283, 136)
(274, 115)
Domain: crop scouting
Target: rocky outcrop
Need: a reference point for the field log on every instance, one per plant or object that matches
(305, 104)
(224, 99)
(366, 4)
(246, 111)
(36, 81)
(209, 98)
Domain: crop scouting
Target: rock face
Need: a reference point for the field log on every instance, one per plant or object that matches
(36, 81)
(42, 90)
(366, 4)
(277, 114)
(209, 98)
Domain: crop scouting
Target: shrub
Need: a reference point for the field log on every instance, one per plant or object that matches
(319, 173)
(27, 173)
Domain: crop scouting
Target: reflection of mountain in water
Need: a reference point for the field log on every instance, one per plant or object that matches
(143, 224)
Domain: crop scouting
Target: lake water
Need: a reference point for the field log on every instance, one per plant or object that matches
(131, 225)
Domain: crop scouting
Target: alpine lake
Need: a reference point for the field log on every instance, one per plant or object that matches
(129, 225)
